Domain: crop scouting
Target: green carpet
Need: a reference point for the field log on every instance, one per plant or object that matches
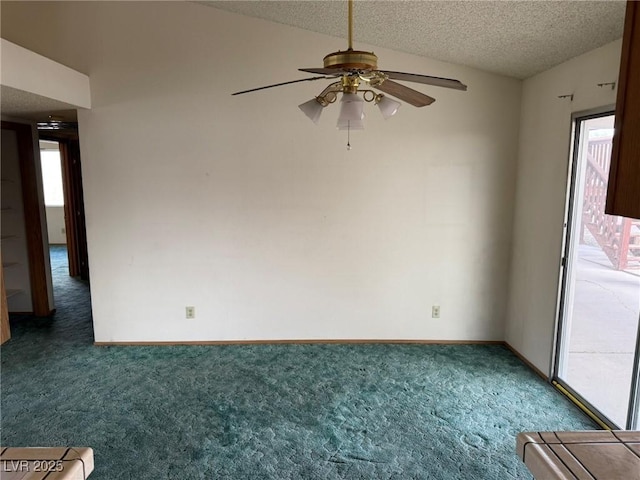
(270, 411)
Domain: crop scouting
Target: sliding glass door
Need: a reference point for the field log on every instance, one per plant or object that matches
(597, 351)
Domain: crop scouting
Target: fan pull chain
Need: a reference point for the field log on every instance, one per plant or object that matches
(348, 134)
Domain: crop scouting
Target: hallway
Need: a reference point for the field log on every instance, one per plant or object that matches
(73, 308)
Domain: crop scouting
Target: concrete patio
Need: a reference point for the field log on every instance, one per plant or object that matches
(604, 327)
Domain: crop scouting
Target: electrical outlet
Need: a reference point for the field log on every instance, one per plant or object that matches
(190, 312)
(435, 311)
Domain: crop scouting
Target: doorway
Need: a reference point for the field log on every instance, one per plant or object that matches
(597, 346)
(65, 136)
(53, 191)
(53, 188)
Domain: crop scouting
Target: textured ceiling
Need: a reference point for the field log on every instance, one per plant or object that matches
(26, 105)
(513, 38)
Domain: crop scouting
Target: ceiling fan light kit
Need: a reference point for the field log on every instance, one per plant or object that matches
(351, 112)
(388, 107)
(312, 109)
(355, 69)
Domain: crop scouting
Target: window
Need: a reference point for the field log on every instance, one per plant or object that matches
(51, 173)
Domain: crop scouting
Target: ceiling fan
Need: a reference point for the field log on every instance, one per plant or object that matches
(357, 70)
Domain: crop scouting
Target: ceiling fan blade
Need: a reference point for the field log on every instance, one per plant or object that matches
(403, 76)
(323, 71)
(279, 84)
(405, 94)
(426, 79)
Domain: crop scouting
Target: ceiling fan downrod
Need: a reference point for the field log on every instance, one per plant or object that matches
(351, 60)
(350, 25)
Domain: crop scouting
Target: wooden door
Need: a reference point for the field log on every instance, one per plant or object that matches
(74, 209)
(623, 197)
(5, 331)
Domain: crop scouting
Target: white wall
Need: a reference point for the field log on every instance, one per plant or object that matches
(56, 231)
(15, 258)
(263, 221)
(28, 71)
(545, 136)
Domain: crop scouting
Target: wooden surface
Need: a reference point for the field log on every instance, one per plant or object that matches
(307, 342)
(5, 331)
(597, 454)
(69, 212)
(623, 197)
(74, 198)
(38, 463)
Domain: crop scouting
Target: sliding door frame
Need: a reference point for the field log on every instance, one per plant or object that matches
(633, 416)
(560, 341)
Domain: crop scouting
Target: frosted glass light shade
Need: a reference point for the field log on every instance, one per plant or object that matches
(351, 112)
(388, 107)
(312, 109)
(350, 125)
